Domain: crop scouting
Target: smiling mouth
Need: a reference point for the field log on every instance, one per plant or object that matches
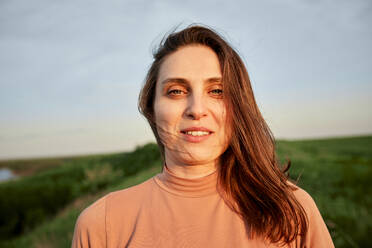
(196, 133)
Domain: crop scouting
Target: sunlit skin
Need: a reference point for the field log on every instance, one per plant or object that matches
(189, 94)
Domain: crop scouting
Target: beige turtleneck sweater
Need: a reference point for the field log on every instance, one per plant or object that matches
(169, 211)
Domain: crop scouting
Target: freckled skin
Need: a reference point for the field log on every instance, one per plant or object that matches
(195, 101)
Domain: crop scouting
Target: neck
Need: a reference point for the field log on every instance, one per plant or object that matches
(190, 171)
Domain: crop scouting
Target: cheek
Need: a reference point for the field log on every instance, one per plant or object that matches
(223, 123)
(166, 115)
(221, 114)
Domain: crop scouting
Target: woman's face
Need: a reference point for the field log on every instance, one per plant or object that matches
(189, 107)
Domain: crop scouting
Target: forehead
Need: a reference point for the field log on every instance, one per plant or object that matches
(193, 62)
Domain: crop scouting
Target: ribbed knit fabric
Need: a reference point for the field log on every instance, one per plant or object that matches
(184, 187)
(169, 211)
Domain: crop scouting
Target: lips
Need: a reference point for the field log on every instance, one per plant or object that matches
(196, 129)
(196, 134)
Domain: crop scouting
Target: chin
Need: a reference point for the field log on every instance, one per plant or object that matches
(195, 161)
(199, 155)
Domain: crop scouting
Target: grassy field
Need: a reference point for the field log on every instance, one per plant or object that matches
(336, 172)
(58, 231)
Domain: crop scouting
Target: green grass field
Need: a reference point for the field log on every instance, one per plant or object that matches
(336, 172)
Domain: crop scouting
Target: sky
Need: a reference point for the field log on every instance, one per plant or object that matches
(71, 71)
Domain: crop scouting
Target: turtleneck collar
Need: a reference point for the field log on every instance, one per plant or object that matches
(195, 187)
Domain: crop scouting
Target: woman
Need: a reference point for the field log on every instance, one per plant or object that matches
(221, 185)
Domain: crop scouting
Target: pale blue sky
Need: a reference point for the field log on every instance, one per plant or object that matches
(71, 71)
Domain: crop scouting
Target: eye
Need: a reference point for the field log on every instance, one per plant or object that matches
(175, 92)
(216, 92)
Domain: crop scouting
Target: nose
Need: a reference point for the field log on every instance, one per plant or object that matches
(196, 107)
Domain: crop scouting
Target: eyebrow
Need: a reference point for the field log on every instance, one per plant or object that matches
(185, 81)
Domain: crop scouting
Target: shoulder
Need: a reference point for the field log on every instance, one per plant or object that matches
(317, 234)
(130, 197)
(304, 198)
(307, 202)
(94, 221)
(90, 227)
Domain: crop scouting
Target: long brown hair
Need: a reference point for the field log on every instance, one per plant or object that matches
(250, 173)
